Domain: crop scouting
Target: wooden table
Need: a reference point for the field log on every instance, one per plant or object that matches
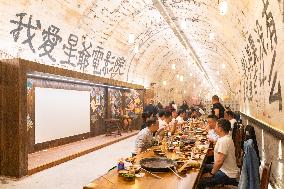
(111, 180)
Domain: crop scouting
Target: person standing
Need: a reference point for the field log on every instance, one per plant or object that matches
(217, 109)
(151, 109)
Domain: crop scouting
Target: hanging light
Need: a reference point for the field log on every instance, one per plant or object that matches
(173, 66)
(181, 78)
(131, 38)
(177, 76)
(183, 25)
(164, 82)
(223, 8)
(218, 73)
(184, 92)
(190, 74)
(223, 66)
(136, 49)
(211, 36)
(194, 85)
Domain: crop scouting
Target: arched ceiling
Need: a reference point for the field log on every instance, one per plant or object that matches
(205, 46)
(160, 46)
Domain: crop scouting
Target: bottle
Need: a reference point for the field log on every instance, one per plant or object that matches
(120, 165)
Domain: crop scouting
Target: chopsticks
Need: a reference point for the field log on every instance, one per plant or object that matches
(154, 175)
(175, 173)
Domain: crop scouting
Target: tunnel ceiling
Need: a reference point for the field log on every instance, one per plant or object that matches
(205, 46)
(159, 44)
(110, 23)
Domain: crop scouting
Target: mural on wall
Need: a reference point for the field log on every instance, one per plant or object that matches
(115, 99)
(261, 69)
(133, 103)
(30, 111)
(98, 105)
(76, 52)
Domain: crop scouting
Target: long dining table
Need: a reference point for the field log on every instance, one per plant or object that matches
(112, 180)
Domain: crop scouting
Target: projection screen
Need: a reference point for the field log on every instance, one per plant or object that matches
(60, 113)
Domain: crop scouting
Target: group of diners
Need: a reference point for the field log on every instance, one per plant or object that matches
(220, 168)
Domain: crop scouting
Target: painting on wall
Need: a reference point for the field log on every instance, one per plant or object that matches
(115, 99)
(97, 103)
(133, 103)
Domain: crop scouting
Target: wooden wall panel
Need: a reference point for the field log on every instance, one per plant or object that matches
(17, 110)
(14, 131)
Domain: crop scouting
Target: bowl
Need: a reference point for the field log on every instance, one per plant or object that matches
(128, 177)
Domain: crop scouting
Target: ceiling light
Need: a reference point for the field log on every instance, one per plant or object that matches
(181, 78)
(211, 36)
(164, 82)
(221, 81)
(178, 76)
(131, 38)
(194, 85)
(218, 73)
(136, 49)
(183, 25)
(173, 66)
(223, 8)
(190, 74)
(223, 66)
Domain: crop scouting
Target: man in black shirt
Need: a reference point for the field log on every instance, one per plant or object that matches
(217, 109)
(151, 109)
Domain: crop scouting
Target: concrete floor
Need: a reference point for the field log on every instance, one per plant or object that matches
(75, 173)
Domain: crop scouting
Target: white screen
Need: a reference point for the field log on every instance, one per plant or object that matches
(60, 113)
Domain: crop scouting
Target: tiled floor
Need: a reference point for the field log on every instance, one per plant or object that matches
(76, 173)
(48, 158)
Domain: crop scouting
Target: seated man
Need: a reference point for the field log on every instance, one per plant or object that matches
(229, 115)
(224, 170)
(212, 122)
(181, 117)
(144, 138)
(167, 119)
(161, 118)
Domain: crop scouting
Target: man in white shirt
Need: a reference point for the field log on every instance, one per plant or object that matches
(167, 118)
(181, 117)
(161, 118)
(144, 139)
(224, 170)
(212, 122)
(229, 115)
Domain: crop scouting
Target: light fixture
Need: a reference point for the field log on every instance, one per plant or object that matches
(218, 73)
(194, 85)
(223, 66)
(183, 25)
(223, 8)
(164, 82)
(131, 38)
(221, 81)
(178, 76)
(136, 49)
(211, 36)
(190, 74)
(173, 66)
(184, 92)
(181, 78)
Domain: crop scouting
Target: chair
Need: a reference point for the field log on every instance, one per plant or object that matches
(265, 175)
(112, 125)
